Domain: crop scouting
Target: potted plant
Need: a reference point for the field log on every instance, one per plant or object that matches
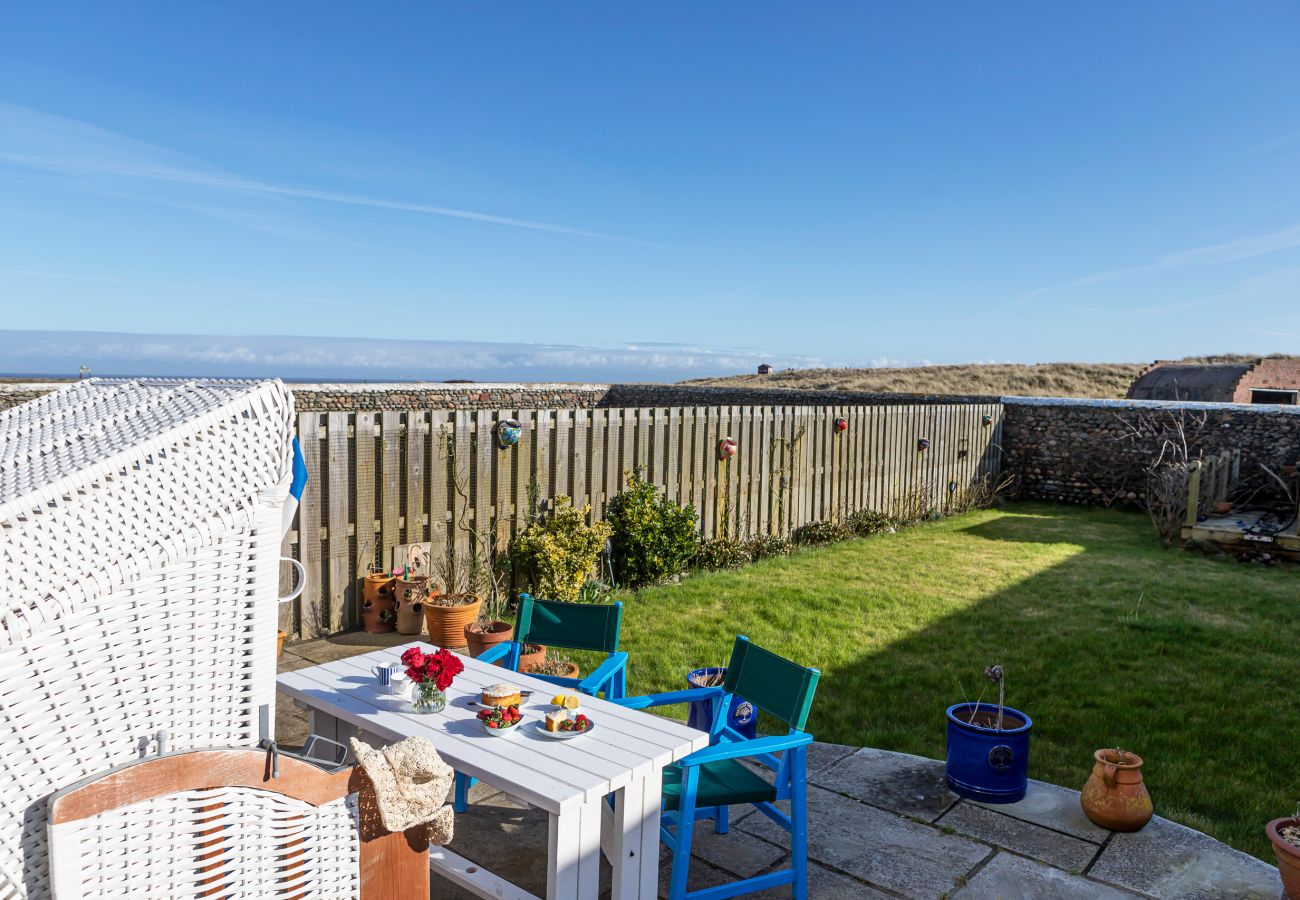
(378, 603)
(489, 629)
(559, 552)
(410, 588)
(447, 613)
(531, 656)
(431, 674)
(411, 592)
(1284, 835)
(988, 747)
(741, 715)
(555, 666)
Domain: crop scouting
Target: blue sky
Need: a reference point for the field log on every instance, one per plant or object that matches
(842, 182)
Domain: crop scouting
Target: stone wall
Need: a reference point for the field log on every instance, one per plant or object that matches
(23, 391)
(702, 395)
(1090, 451)
(338, 397)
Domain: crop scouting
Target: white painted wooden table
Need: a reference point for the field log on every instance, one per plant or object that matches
(624, 755)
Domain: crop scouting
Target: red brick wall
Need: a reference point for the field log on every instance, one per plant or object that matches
(1273, 374)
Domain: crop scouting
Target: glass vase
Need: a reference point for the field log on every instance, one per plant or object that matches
(426, 698)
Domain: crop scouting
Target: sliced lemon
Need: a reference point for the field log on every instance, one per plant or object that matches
(558, 700)
(571, 701)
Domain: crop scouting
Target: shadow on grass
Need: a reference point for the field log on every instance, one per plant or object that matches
(1119, 643)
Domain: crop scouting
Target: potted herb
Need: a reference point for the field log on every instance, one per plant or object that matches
(1284, 835)
(531, 656)
(411, 587)
(988, 747)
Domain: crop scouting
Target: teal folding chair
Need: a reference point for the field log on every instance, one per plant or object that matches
(569, 626)
(706, 783)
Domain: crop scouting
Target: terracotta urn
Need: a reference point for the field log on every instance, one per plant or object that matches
(481, 636)
(446, 619)
(1115, 796)
(1288, 854)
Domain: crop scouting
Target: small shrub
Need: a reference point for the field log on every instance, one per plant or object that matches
(768, 546)
(560, 551)
(817, 534)
(868, 521)
(654, 538)
(721, 553)
(595, 591)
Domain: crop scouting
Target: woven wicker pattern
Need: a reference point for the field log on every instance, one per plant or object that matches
(141, 532)
(226, 842)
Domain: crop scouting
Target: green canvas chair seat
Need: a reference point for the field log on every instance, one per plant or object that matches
(705, 784)
(722, 783)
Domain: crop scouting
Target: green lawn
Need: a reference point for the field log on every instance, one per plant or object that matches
(1106, 637)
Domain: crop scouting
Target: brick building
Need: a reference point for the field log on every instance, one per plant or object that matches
(1269, 380)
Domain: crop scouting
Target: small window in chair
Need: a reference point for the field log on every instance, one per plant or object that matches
(1287, 398)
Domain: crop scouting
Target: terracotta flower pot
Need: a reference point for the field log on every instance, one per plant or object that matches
(447, 623)
(479, 637)
(536, 658)
(379, 616)
(377, 586)
(1114, 796)
(1288, 855)
(410, 594)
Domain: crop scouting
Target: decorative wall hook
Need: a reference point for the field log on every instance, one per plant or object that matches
(922, 445)
(508, 431)
(727, 448)
(986, 420)
(841, 424)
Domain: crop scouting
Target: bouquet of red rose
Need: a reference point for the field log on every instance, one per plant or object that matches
(439, 668)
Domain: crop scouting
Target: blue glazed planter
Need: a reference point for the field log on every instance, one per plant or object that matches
(983, 763)
(742, 716)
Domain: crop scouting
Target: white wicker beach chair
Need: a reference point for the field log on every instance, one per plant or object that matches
(218, 824)
(141, 525)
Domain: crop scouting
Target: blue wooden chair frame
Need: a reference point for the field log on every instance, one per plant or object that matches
(704, 784)
(570, 626)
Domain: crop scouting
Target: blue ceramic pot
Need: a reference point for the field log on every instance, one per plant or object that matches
(983, 763)
(742, 716)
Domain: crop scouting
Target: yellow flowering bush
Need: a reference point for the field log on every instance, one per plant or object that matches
(559, 551)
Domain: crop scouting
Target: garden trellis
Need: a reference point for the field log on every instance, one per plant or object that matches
(142, 523)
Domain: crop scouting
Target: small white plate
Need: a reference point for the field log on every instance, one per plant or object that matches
(539, 727)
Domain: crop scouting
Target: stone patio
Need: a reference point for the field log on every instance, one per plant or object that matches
(881, 824)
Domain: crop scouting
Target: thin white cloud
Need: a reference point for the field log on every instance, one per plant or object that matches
(735, 294)
(291, 356)
(1208, 255)
(37, 140)
(196, 288)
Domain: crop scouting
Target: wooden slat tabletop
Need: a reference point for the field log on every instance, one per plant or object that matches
(550, 774)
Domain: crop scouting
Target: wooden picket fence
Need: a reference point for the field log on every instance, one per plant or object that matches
(382, 480)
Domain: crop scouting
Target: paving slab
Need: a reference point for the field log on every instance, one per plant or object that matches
(906, 784)
(879, 847)
(1051, 806)
(1166, 859)
(350, 643)
(822, 756)
(1019, 836)
(1008, 876)
(738, 852)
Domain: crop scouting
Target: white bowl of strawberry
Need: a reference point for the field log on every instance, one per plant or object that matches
(499, 720)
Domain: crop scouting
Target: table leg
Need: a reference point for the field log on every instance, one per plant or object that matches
(631, 838)
(573, 860)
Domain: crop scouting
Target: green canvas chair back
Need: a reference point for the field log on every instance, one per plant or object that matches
(772, 683)
(575, 626)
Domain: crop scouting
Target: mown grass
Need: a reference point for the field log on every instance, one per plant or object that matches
(1106, 638)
